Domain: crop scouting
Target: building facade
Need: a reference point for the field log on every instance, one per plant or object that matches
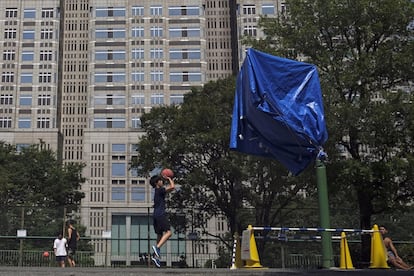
(78, 75)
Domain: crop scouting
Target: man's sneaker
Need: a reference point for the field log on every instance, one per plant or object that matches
(156, 261)
(156, 251)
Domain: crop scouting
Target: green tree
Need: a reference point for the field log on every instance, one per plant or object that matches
(33, 181)
(364, 51)
(193, 140)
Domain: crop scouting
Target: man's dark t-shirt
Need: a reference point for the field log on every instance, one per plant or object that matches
(72, 242)
(159, 202)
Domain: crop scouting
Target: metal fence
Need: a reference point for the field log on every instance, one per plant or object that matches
(298, 254)
(87, 259)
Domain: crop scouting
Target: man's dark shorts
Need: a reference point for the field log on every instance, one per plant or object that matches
(161, 225)
(60, 258)
(71, 253)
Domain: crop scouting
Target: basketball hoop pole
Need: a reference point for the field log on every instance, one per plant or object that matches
(327, 257)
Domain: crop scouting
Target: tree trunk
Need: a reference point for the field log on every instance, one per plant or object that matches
(365, 213)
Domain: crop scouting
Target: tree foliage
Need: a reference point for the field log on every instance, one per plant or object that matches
(35, 188)
(364, 51)
(193, 140)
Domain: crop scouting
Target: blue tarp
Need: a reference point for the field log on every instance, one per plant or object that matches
(278, 111)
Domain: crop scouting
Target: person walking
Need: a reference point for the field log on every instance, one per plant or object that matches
(59, 248)
(162, 226)
(73, 238)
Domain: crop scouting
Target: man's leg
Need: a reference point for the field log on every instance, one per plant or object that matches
(164, 238)
(71, 258)
(393, 261)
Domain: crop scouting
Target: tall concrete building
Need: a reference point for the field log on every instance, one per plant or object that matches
(78, 75)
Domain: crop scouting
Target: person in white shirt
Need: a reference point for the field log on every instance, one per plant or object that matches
(59, 247)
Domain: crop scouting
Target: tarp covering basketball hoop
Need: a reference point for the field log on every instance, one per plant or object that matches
(278, 111)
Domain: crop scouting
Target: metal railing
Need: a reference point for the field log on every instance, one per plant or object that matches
(87, 259)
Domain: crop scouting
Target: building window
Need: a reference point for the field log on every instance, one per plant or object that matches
(118, 147)
(138, 53)
(110, 33)
(118, 99)
(156, 10)
(109, 122)
(45, 55)
(43, 122)
(110, 77)
(6, 99)
(137, 32)
(44, 100)
(118, 170)
(157, 76)
(138, 194)
(29, 13)
(136, 122)
(249, 9)
(118, 235)
(156, 31)
(46, 34)
(5, 122)
(109, 100)
(27, 56)
(183, 10)
(185, 54)
(26, 78)
(176, 98)
(47, 13)
(10, 33)
(110, 55)
(157, 99)
(250, 30)
(7, 77)
(137, 76)
(11, 12)
(25, 100)
(29, 34)
(138, 99)
(268, 9)
(110, 12)
(9, 54)
(118, 193)
(184, 32)
(45, 77)
(156, 53)
(185, 76)
(25, 123)
(137, 11)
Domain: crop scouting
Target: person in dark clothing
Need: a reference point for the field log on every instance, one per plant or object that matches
(73, 237)
(162, 226)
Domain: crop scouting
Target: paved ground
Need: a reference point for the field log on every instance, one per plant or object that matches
(79, 271)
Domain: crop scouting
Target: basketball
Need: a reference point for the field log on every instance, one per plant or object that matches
(167, 173)
(45, 254)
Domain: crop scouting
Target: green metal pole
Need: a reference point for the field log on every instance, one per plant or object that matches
(327, 257)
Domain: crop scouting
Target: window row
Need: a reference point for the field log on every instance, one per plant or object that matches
(267, 9)
(154, 31)
(154, 10)
(135, 99)
(26, 122)
(26, 100)
(27, 77)
(136, 193)
(139, 53)
(11, 33)
(138, 76)
(44, 55)
(30, 13)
